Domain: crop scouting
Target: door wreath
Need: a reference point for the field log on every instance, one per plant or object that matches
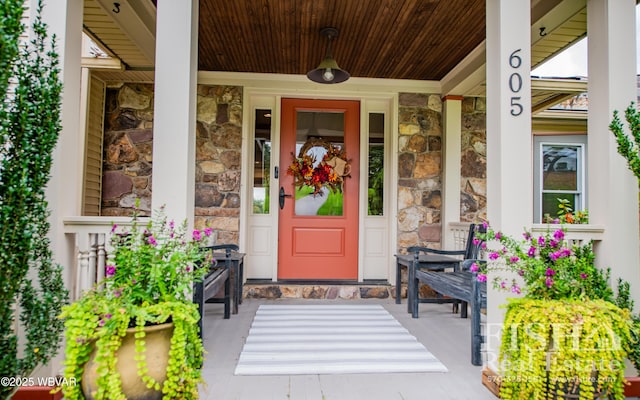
(329, 172)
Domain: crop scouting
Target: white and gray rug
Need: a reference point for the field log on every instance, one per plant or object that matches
(331, 339)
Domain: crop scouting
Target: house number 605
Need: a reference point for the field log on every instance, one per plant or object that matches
(515, 83)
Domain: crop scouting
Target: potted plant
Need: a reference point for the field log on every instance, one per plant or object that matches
(566, 215)
(565, 337)
(144, 298)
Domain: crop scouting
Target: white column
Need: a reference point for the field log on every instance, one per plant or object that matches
(509, 165)
(174, 136)
(612, 188)
(452, 110)
(64, 191)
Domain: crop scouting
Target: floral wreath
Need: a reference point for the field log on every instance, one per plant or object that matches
(330, 172)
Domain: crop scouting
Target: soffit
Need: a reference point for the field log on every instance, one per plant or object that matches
(390, 39)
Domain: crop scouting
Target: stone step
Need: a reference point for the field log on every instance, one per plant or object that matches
(318, 290)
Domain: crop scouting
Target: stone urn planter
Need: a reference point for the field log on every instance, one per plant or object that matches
(157, 344)
(148, 280)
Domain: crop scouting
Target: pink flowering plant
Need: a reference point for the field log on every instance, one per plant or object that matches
(546, 266)
(154, 262)
(148, 280)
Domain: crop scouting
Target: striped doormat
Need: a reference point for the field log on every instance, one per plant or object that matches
(331, 339)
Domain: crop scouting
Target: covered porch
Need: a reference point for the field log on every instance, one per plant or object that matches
(182, 50)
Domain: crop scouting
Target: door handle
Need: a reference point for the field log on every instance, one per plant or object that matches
(282, 196)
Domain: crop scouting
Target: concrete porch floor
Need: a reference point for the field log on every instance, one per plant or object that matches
(445, 334)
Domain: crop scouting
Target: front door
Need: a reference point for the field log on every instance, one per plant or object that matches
(319, 179)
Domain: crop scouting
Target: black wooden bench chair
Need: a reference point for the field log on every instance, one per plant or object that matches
(463, 285)
(217, 280)
(459, 285)
(471, 251)
(228, 255)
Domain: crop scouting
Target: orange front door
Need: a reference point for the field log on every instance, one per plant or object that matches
(318, 224)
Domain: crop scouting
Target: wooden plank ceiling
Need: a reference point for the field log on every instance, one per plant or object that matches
(392, 39)
(397, 39)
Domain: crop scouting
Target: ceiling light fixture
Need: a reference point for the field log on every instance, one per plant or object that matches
(328, 70)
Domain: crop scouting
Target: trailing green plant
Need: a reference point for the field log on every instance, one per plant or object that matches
(148, 280)
(32, 290)
(634, 347)
(96, 322)
(624, 301)
(552, 348)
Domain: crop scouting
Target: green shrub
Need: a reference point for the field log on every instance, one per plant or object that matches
(32, 291)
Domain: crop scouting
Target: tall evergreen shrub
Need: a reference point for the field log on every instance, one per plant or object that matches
(628, 145)
(32, 291)
(629, 148)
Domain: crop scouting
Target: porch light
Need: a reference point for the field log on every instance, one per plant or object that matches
(328, 70)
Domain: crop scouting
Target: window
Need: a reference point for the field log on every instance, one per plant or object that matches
(262, 161)
(560, 174)
(375, 189)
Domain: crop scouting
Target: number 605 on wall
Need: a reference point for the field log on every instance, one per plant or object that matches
(515, 83)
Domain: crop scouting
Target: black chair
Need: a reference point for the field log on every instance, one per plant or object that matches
(233, 261)
(463, 285)
(471, 251)
(217, 279)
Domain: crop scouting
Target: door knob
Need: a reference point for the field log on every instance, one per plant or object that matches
(282, 196)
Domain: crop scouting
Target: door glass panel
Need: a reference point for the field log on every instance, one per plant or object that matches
(375, 190)
(319, 166)
(262, 161)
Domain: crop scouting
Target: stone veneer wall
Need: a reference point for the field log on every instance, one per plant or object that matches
(218, 160)
(419, 170)
(128, 155)
(127, 147)
(473, 196)
(420, 167)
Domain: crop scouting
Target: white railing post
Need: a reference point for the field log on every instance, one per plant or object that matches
(82, 277)
(90, 237)
(102, 256)
(458, 233)
(93, 255)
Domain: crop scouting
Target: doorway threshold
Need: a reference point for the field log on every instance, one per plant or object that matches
(318, 289)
